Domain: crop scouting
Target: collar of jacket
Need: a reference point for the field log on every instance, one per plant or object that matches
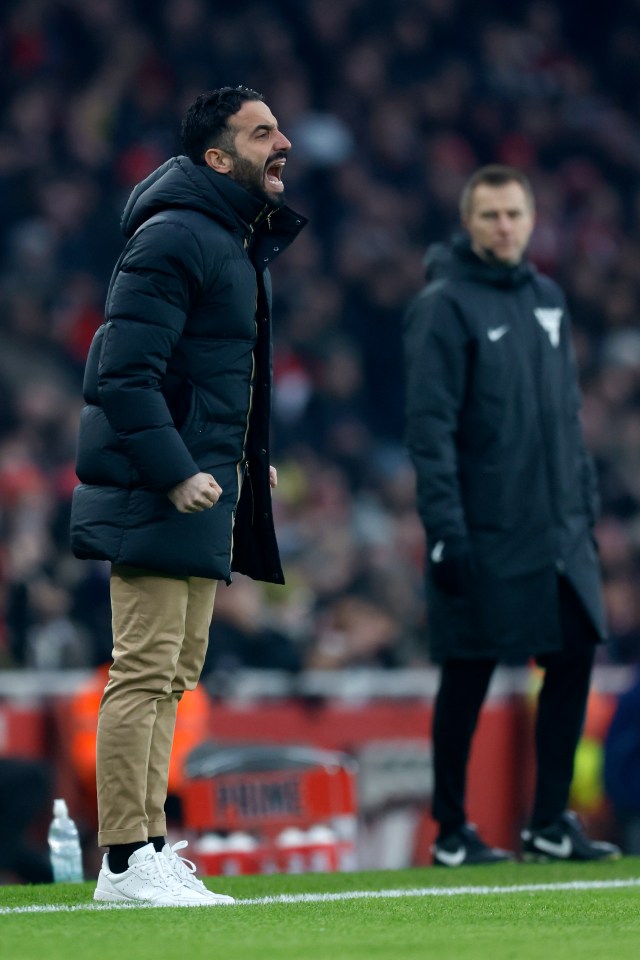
(271, 233)
(180, 183)
(457, 260)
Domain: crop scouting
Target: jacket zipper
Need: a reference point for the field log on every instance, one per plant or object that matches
(245, 462)
(258, 220)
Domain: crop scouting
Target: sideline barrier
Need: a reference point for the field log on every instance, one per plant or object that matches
(381, 719)
(280, 808)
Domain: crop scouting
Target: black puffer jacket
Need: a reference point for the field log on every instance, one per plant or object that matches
(494, 432)
(178, 380)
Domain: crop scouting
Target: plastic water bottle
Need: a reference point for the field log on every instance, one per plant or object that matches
(240, 854)
(323, 849)
(292, 850)
(64, 846)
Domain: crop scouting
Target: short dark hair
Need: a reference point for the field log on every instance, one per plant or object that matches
(206, 122)
(493, 175)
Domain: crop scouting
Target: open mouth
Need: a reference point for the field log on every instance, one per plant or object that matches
(273, 174)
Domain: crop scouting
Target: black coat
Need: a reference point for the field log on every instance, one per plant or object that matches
(494, 432)
(178, 380)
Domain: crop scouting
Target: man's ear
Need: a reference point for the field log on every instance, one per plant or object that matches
(218, 160)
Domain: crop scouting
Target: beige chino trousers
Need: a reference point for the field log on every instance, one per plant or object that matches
(160, 635)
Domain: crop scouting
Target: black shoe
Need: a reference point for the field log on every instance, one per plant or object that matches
(465, 847)
(565, 839)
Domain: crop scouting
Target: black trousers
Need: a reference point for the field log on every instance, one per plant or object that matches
(559, 719)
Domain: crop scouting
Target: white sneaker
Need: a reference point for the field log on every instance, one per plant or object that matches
(185, 871)
(148, 880)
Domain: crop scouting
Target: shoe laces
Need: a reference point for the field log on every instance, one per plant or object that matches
(469, 837)
(158, 870)
(573, 823)
(184, 869)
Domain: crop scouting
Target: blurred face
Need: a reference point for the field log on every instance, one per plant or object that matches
(500, 222)
(258, 155)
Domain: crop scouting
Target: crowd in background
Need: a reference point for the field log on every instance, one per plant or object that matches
(390, 106)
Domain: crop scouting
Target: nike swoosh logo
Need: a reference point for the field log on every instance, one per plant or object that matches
(453, 859)
(496, 332)
(438, 550)
(562, 850)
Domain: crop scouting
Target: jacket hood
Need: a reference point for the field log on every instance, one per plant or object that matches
(456, 260)
(438, 261)
(180, 183)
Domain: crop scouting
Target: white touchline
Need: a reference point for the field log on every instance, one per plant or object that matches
(349, 895)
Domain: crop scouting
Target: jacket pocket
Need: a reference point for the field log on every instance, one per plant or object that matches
(484, 499)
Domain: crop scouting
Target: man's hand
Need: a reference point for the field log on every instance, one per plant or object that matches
(273, 477)
(452, 566)
(196, 493)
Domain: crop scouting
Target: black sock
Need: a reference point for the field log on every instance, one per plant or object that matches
(158, 843)
(119, 854)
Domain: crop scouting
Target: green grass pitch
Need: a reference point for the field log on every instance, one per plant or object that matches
(505, 912)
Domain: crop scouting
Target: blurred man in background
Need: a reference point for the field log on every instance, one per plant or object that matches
(506, 493)
(173, 455)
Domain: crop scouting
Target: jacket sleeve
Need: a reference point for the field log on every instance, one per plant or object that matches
(436, 365)
(146, 313)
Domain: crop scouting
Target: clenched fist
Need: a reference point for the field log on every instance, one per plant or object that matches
(196, 493)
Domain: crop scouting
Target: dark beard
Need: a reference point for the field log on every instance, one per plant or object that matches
(251, 177)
